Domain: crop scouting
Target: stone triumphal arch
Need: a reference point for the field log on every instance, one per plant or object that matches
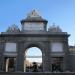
(53, 44)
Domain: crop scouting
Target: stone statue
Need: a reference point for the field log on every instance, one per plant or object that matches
(33, 13)
(13, 28)
(54, 28)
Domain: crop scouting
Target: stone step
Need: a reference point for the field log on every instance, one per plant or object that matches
(37, 73)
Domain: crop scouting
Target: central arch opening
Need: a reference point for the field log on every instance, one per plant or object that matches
(33, 60)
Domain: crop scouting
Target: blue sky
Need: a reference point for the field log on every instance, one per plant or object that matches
(60, 12)
(34, 51)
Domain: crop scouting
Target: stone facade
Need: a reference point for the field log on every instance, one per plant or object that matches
(42, 39)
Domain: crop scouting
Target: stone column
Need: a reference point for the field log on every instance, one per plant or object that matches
(20, 57)
(66, 56)
(46, 58)
(2, 45)
(72, 62)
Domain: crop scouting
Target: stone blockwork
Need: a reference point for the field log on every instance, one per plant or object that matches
(41, 40)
